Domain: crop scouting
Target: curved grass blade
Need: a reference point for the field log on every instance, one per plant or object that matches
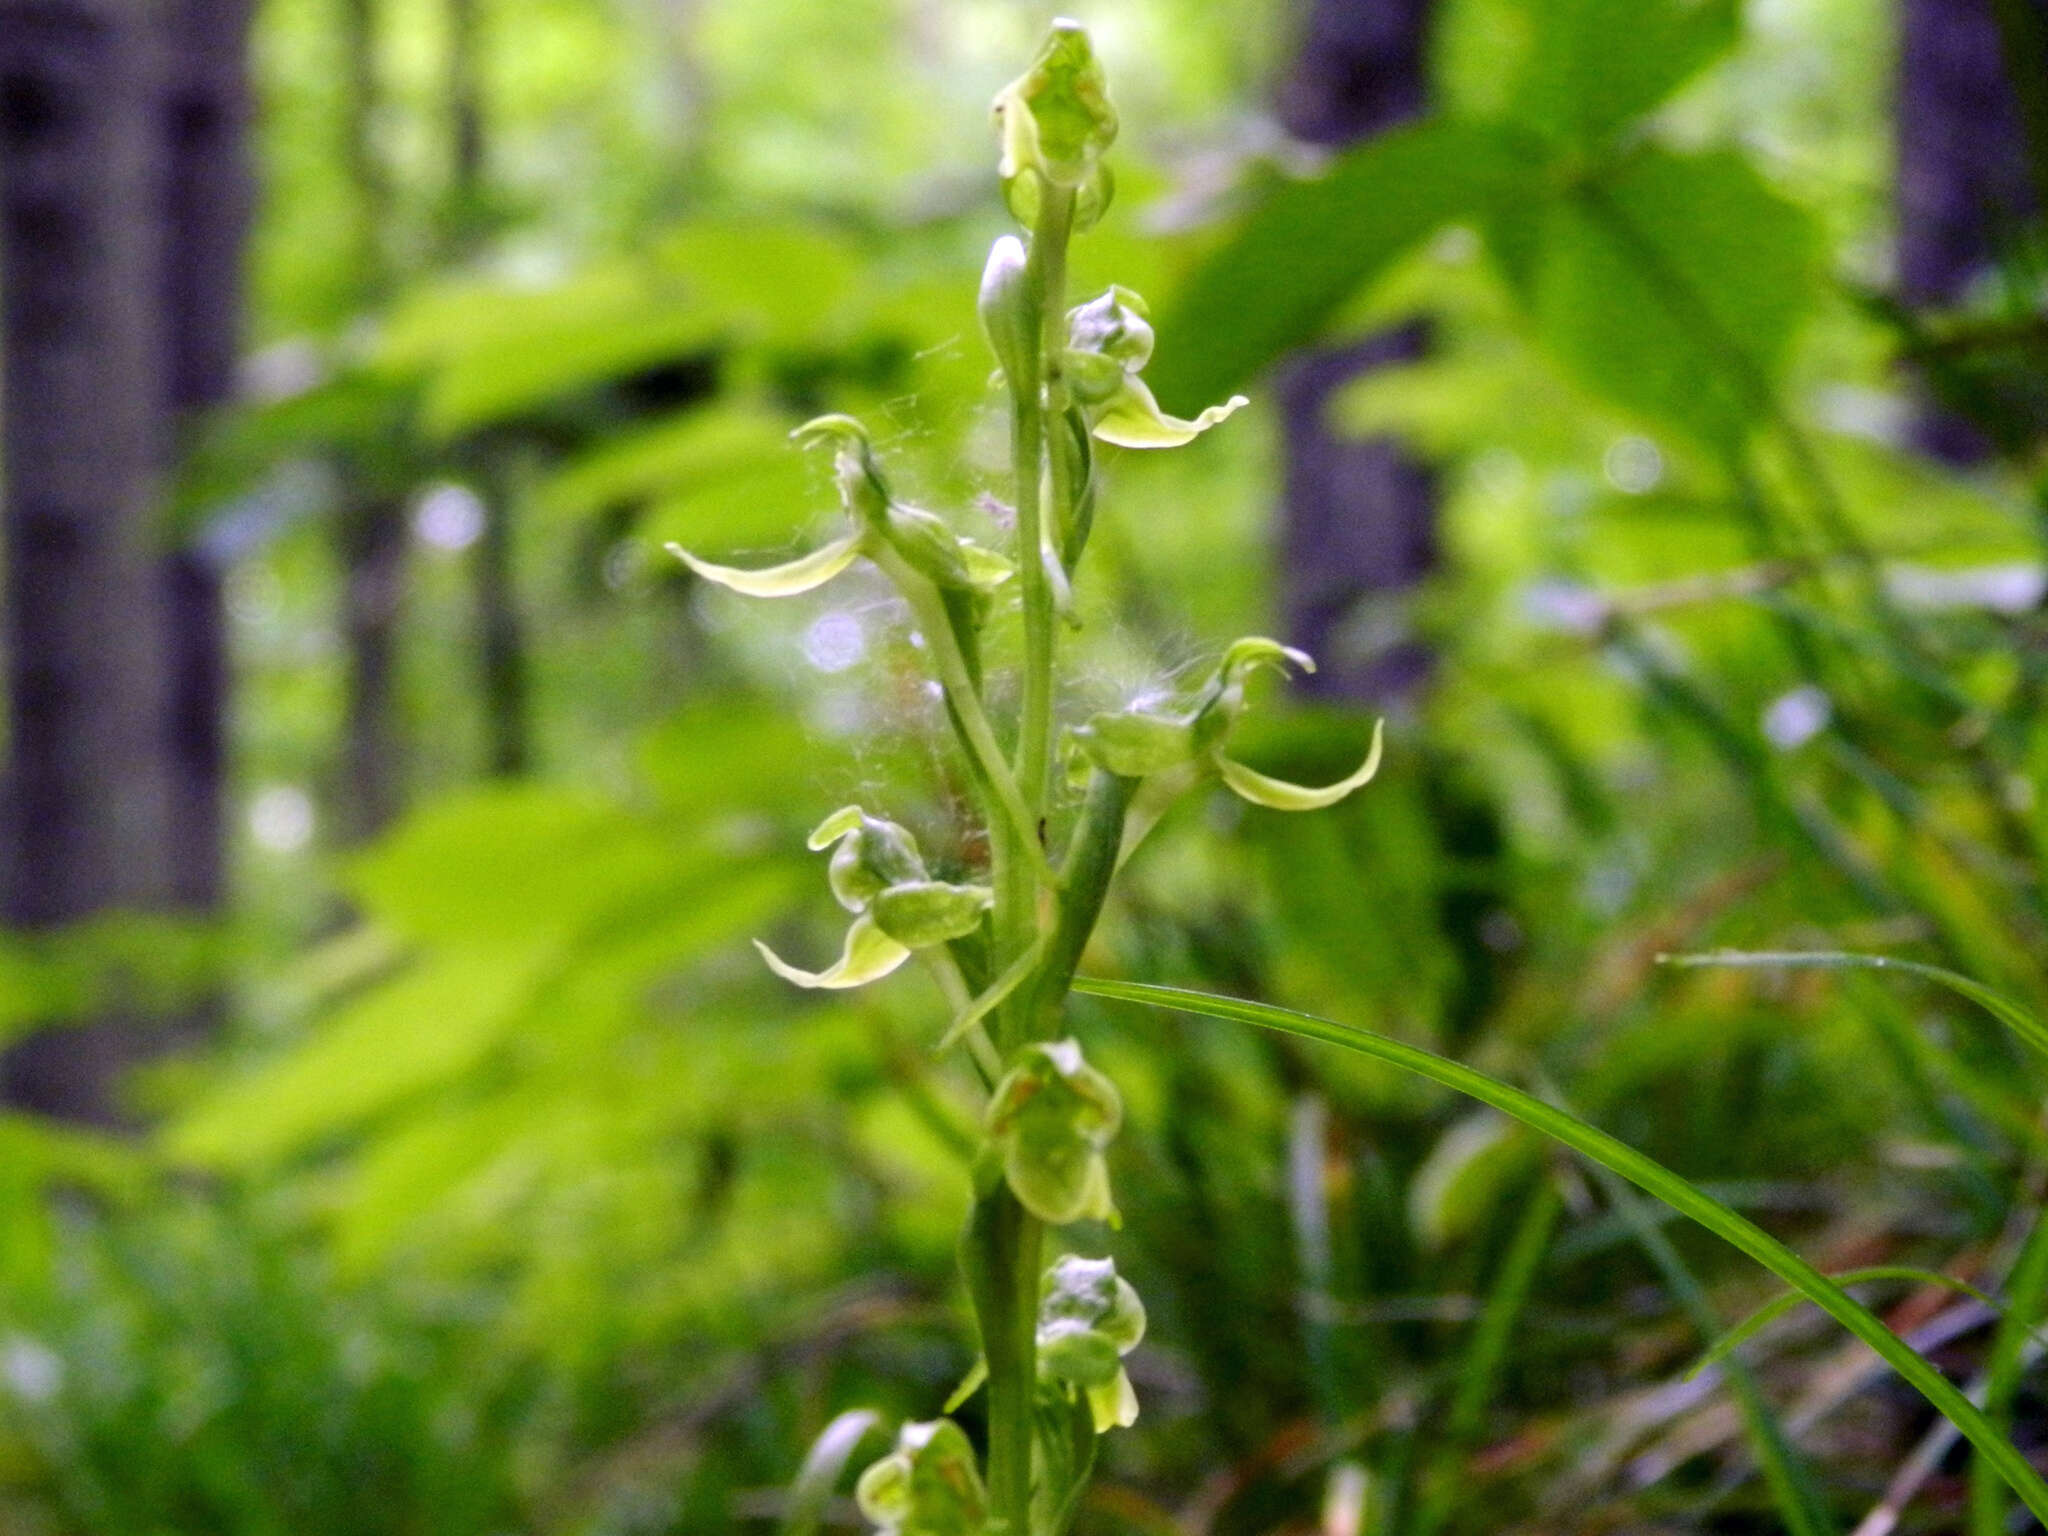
(1785, 1472)
(1778, 1306)
(1479, 1371)
(1645, 1173)
(2027, 1288)
(2020, 1021)
(819, 1475)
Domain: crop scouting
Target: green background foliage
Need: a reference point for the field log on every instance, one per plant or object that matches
(512, 1195)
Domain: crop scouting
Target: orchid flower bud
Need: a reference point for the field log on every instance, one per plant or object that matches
(1109, 339)
(861, 487)
(1054, 122)
(1136, 743)
(1114, 325)
(1005, 308)
(868, 856)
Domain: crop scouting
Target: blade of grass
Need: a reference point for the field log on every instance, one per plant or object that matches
(1785, 1472)
(1480, 1369)
(2020, 1021)
(1777, 1307)
(2027, 1288)
(1644, 1172)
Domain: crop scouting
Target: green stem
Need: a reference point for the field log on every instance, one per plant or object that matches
(976, 734)
(946, 972)
(1045, 279)
(1084, 882)
(1001, 1254)
(1004, 1242)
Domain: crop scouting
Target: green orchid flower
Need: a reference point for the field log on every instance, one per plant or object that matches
(920, 538)
(929, 1485)
(1109, 339)
(1051, 1118)
(1089, 1318)
(878, 875)
(1145, 740)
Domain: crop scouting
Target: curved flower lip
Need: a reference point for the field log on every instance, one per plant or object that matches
(805, 574)
(1279, 795)
(869, 955)
(1133, 419)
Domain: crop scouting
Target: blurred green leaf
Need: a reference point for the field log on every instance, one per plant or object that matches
(720, 478)
(491, 353)
(511, 863)
(1311, 244)
(1465, 1174)
(435, 1021)
(1674, 287)
(1594, 66)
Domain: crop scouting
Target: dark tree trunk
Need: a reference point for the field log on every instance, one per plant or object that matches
(503, 670)
(370, 543)
(501, 629)
(373, 549)
(86, 824)
(207, 208)
(124, 197)
(1966, 181)
(1359, 514)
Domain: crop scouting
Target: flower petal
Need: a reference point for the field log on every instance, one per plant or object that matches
(803, 575)
(843, 822)
(1257, 651)
(1134, 420)
(1114, 1405)
(1279, 795)
(870, 954)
